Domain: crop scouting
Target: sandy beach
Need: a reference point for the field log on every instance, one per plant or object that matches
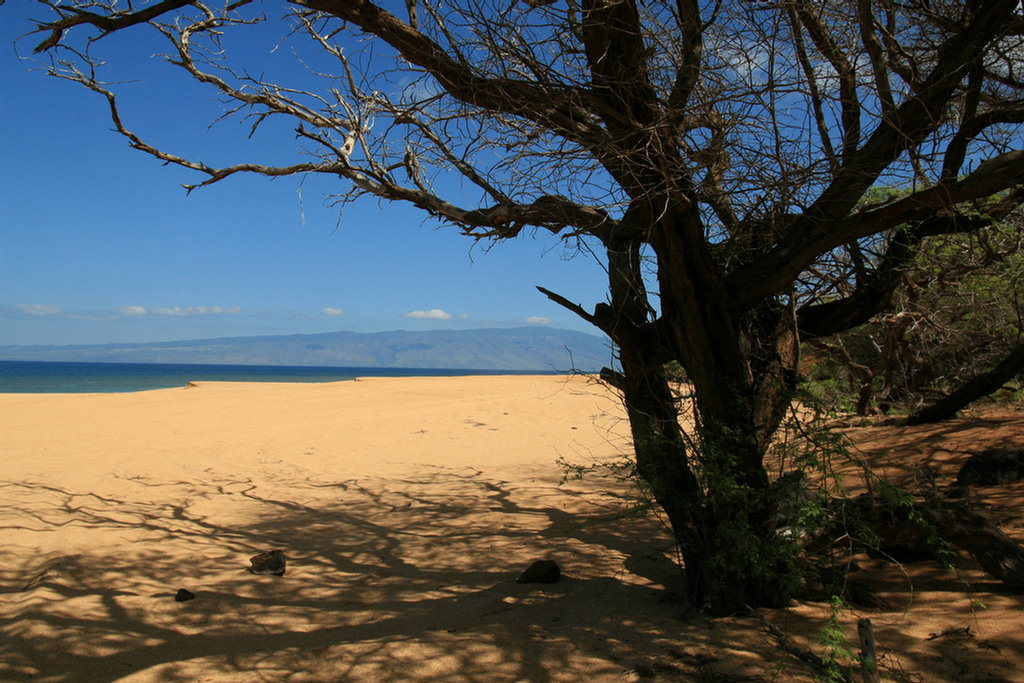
(406, 508)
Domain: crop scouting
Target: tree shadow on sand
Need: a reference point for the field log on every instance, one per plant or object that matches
(388, 579)
(409, 578)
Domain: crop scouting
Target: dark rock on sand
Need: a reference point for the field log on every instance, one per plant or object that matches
(541, 571)
(272, 562)
(993, 467)
(184, 595)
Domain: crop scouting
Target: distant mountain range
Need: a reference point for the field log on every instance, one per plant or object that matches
(522, 348)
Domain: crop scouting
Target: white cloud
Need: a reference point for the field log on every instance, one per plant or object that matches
(131, 310)
(538, 320)
(333, 311)
(39, 309)
(196, 310)
(432, 314)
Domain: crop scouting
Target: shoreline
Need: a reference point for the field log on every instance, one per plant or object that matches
(194, 384)
(45, 377)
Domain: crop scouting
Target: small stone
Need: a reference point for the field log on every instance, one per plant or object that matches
(272, 562)
(541, 571)
(183, 595)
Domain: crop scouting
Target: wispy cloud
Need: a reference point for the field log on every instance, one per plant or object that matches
(432, 314)
(39, 309)
(196, 310)
(538, 320)
(126, 311)
(333, 311)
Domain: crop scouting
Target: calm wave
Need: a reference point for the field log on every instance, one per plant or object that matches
(20, 377)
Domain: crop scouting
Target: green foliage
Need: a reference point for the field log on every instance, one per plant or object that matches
(621, 469)
(831, 385)
(740, 543)
(815, 508)
(958, 312)
(832, 638)
(674, 372)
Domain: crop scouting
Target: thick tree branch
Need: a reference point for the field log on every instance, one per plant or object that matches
(873, 294)
(774, 271)
(688, 72)
(108, 23)
(879, 68)
(977, 387)
(558, 108)
(641, 154)
(613, 39)
(813, 91)
(956, 151)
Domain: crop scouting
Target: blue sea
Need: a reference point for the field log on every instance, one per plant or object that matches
(35, 377)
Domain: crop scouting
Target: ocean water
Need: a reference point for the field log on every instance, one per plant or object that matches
(21, 377)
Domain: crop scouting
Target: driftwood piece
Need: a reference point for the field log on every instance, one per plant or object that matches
(999, 555)
(868, 654)
(804, 655)
(903, 526)
(978, 387)
(963, 631)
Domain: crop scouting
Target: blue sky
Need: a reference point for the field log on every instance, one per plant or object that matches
(99, 243)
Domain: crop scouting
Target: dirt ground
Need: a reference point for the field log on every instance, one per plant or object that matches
(407, 509)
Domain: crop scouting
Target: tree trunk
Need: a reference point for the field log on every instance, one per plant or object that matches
(711, 483)
(744, 560)
(721, 514)
(978, 387)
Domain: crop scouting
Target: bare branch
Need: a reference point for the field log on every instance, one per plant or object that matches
(814, 92)
(116, 20)
(847, 77)
(565, 303)
(559, 109)
(879, 68)
(774, 269)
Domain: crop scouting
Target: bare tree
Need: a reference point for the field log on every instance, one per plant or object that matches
(720, 154)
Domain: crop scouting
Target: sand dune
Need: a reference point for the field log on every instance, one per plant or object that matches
(406, 509)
